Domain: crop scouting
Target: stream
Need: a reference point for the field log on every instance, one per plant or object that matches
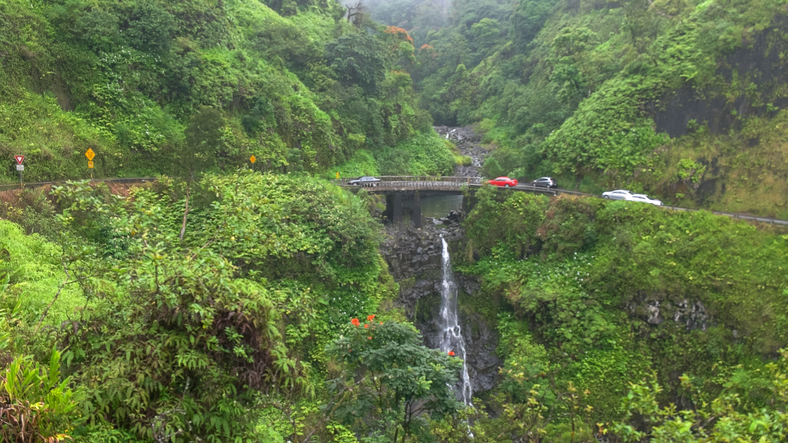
(451, 339)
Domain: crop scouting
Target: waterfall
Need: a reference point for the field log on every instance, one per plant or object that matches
(451, 335)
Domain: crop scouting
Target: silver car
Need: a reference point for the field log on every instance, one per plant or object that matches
(645, 199)
(364, 181)
(619, 194)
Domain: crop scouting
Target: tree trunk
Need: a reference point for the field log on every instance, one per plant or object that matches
(186, 211)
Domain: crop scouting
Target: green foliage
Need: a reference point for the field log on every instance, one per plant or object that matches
(463, 160)
(512, 221)
(424, 154)
(32, 210)
(134, 81)
(390, 380)
(581, 279)
(34, 274)
(283, 226)
(204, 141)
(688, 169)
(730, 416)
(357, 60)
(180, 340)
(362, 163)
(37, 405)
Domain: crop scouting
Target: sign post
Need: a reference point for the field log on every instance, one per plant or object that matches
(253, 159)
(20, 167)
(337, 175)
(90, 154)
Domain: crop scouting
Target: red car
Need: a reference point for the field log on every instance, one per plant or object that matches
(505, 182)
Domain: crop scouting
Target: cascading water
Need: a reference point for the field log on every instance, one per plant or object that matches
(451, 334)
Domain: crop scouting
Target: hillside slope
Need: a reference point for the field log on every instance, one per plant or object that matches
(147, 84)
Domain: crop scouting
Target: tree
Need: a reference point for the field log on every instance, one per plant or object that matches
(358, 59)
(148, 27)
(486, 35)
(394, 379)
(204, 140)
(356, 14)
(528, 18)
(570, 42)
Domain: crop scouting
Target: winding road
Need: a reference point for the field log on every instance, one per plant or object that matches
(429, 184)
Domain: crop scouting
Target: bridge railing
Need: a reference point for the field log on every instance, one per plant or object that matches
(414, 178)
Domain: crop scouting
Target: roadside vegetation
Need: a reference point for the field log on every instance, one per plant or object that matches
(227, 334)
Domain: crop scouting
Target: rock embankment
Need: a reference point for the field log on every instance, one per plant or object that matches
(414, 256)
(469, 143)
(414, 259)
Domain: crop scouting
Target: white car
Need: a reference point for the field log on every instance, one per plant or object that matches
(644, 198)
(619, 194)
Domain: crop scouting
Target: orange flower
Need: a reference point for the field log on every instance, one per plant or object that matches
(370, 317)
(366, 326)
(451, 353)
(370, 338)
(355, 322)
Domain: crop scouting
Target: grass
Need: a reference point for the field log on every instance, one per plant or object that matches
(462, 160)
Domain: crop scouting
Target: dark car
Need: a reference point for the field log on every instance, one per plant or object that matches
(505, 182)
(547, 182)
(372, 181)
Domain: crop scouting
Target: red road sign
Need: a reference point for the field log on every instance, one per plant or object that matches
(19, 159)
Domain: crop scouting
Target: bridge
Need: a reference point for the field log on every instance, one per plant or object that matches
(394, 187)
(428, 184)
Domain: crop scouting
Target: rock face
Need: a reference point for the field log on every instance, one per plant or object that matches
(654, 309)
(467, 142)
(414, 259)
(480, 338)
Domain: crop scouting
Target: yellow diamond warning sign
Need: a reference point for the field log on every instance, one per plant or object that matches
(252, 159)
(90, 154)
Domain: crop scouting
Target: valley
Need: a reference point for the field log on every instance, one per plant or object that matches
(189, 260)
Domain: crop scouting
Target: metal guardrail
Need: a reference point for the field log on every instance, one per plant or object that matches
(33, 185)
(415, 178)
(771, 221)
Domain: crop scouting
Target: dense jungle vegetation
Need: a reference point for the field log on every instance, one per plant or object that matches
(273, 318)
(684, 99)
(629, 321)
(145, 84)
(116, 329)
(223, 304)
